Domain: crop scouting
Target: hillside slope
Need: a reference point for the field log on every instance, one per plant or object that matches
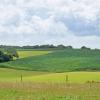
(59, 61)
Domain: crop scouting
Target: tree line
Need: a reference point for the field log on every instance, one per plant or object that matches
(48, 46)
(42, 47)
(36, 46)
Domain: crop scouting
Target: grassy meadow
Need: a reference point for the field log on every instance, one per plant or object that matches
(51, 75)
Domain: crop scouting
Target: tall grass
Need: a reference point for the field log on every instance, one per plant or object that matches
(49, 91)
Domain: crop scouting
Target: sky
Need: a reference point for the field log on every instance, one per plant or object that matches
(32, 22)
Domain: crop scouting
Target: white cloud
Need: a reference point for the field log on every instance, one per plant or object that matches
(74, 22)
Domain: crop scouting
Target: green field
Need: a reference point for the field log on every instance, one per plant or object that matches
(12, 75)
(24, 54)
(58, 61)
(51, 75)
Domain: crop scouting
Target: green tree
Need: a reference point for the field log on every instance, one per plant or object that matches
(60, 46)
(5, 57)
(12, 52)
(85, 48)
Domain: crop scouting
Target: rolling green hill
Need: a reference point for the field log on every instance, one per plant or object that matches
(59, 61)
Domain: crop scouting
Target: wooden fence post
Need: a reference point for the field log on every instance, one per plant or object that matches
(21, 78)
(66, 78)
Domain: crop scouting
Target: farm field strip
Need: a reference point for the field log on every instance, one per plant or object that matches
(12, 75)
(72, 77)
(24, 54)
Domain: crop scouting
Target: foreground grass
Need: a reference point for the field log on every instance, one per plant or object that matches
(49, 91)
